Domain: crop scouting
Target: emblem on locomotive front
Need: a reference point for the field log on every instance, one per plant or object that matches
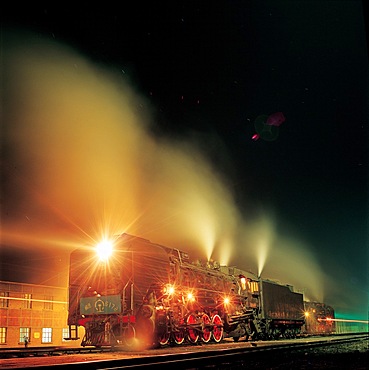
(100, 305)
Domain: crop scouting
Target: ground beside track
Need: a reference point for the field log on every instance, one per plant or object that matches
(345, 356)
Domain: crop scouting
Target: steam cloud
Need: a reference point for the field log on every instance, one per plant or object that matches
(78, 162)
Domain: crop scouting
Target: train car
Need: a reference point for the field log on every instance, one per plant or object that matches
(319, 319)
(154, 295)
(282, 310)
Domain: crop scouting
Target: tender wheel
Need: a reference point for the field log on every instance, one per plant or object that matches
(217, 328)
(206, 332)
(192, 334)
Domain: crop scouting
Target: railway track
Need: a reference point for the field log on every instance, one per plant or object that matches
(227, 355)
(48, 351)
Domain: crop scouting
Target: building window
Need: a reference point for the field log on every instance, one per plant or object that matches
(48, 303)
(4, 301)
(27, 297)
(2, 335)
(65, 334)
(24, 334)
(47, 335)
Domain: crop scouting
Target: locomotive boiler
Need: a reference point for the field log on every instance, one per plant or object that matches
(154, 295)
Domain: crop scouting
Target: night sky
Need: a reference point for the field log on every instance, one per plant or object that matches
(203, 72)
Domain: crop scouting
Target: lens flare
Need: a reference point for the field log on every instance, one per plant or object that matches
(190, 297)
(104, 250)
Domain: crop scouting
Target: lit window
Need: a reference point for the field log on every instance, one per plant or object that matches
(27, 300)
(65, 334)
(2, 335)
(24, 333)
(4, 301)
(243, 282)
(47, 335)
(48, 302)
(254, 287)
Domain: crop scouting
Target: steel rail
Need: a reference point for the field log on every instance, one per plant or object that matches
(201, 357)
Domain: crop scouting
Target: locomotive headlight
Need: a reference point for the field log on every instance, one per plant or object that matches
(306, 314)
(190, 297)
(168, 289)
(104, 250)
(226, 301)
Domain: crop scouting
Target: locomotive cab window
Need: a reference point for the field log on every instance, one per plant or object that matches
(248, 285)
(253, 286)
(243, 281)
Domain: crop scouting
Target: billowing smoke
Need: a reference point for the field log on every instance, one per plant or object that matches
(83, 163)
(79, 163)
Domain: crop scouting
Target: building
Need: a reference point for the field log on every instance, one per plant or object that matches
(34, 315)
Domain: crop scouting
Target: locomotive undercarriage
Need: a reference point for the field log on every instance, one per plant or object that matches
(192, 328)
(251, 326)
(175, 324)
(276, 329)
(238, 326)
(109, 331)
(168, 328)
(159, 325)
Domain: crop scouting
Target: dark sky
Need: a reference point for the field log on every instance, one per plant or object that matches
(208, 69)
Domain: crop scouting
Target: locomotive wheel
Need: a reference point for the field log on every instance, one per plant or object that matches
(179, 333)
(192, 334)
(206, 332)
(179, 336)
(164, 338)
(217, 328)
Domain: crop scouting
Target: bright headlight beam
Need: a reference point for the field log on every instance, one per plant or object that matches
(104, 249)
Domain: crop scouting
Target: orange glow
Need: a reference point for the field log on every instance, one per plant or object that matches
(83, 156)
(104, 250)
(169, 289)
(226, 301)
(344, 320)
(190, 297)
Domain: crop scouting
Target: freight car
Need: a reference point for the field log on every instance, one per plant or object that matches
(154, 295)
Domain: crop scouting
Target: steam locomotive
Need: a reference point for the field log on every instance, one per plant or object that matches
(154, 295)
